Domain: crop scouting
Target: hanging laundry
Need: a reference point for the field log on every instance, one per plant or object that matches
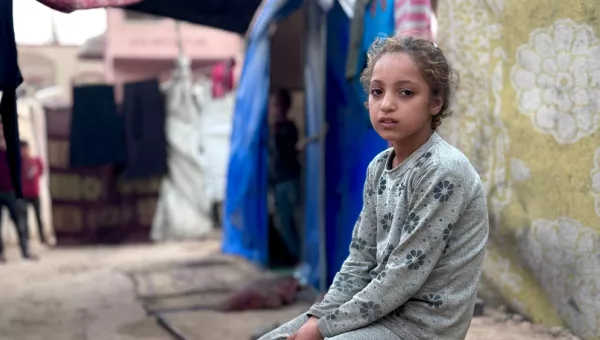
(183, 208)
(367, 24)
(356, 34)
(144, 112)
(413, 17)
(97, 131)
(384, 17)
(222, 78)
(10, 79)
(93, 204)
(68, 6)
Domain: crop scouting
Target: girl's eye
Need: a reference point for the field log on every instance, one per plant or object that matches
(376, 92)
(406, 93)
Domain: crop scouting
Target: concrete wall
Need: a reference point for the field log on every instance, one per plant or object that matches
(55, 65)
(138, 47)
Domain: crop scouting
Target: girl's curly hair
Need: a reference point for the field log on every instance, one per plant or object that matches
(431, 61)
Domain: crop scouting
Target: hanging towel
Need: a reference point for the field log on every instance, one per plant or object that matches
(413, 17)
(97, 132)
(144, 112)
(10, 79)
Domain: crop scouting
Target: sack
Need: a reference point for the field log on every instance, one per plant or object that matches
(68, 6)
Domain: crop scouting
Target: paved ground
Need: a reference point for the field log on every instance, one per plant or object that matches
(83, 294)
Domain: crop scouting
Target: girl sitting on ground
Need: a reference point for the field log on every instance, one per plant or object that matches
(417, 248)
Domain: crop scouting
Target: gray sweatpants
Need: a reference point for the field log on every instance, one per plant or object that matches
(373, 331)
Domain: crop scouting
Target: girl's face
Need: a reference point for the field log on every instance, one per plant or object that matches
(400, 104)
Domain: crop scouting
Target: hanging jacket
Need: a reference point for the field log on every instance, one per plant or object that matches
(10, 79)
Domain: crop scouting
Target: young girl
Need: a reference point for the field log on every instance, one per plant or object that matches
(418, 245)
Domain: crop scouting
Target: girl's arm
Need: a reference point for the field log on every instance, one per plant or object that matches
(413, 259)
(354, 274)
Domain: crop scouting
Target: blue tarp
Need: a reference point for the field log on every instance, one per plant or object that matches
(349, 146)
(351, 142)
(246, 220)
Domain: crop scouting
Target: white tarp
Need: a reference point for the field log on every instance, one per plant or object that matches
(198, 129)
(215, 134)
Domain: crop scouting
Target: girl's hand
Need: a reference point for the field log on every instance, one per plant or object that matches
(309, 331)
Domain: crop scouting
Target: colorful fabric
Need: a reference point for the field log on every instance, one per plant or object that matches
(413, 17)
(528, 116)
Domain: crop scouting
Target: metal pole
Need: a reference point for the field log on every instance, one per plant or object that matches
(322, 222)
(54, 39)
(318, 22)
(314, 73)
(179, 38)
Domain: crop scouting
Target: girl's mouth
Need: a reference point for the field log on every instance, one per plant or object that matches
(388, 122)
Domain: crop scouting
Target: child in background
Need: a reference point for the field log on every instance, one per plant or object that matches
(31, 171)
(418, 246)
(14, 206)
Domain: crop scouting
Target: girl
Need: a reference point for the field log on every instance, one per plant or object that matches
(418, 246)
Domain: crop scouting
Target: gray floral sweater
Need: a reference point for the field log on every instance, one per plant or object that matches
(417, 249)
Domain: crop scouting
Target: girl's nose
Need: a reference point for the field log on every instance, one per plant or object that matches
(388, 104)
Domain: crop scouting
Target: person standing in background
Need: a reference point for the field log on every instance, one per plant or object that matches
(15, 207)
(284, 168)
(31, 171)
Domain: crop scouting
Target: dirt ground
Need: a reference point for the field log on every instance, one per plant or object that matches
(84, 294)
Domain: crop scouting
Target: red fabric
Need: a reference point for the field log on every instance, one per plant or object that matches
(68, 6)
(5, 182)
(31, 170)
(222, 78)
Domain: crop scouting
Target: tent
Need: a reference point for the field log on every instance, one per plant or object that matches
(335, 166)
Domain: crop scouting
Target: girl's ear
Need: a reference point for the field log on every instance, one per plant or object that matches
(435, 104)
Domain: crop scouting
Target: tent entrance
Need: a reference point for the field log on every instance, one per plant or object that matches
(286, 72)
